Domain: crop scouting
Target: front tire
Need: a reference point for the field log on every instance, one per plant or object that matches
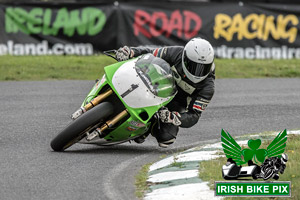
(75, 131)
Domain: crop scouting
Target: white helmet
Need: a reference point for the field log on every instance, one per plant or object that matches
(197, 59)
(284, 158)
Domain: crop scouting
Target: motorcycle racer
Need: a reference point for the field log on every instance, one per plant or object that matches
(274, 165)
(194, 72)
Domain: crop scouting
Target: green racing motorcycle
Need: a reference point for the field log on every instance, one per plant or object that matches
(122, 104)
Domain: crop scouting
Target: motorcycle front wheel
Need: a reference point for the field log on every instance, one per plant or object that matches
(268, 173)
(76, 130)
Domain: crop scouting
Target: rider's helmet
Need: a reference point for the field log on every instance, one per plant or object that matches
(197, 59)
(284, 158)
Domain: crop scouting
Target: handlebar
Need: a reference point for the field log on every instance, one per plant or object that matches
(111, 53)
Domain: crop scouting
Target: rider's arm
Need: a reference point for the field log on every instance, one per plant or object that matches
(171, 54)
(137, 51)
(198, 103)
(189, 119)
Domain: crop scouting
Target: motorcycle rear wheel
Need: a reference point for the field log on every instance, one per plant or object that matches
(76, 130)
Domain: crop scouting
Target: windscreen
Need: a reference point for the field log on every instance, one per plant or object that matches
(157, 75)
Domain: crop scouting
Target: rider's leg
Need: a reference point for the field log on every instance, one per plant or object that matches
(142, 138)
(165, 134)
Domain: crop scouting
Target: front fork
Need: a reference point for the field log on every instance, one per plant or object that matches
(91, 104)
(99, 131)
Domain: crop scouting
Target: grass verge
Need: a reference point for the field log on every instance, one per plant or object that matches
(141, 181)
(211, 170)
(238, 68)
(19, 68)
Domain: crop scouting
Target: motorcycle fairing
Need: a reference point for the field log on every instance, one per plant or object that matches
(132, 88)
(123, 79)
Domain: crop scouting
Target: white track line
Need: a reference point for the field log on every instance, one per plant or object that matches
(174, 175)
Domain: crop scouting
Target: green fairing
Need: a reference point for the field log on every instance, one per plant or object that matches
(160, 77)
(125, 131)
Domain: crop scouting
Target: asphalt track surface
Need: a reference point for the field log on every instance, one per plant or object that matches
(32, 113)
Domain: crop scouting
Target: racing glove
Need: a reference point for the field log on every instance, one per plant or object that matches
(124, 53)
(167, 116)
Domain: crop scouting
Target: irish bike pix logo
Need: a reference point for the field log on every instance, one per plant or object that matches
(264, 165)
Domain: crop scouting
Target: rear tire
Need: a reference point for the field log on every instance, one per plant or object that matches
(75, 131)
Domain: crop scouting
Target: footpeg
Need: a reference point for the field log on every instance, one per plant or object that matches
(93, 135)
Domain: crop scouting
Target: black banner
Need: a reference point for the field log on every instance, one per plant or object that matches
(236, 30)
(57, 29)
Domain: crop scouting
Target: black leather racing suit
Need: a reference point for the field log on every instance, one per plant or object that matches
(191, 99)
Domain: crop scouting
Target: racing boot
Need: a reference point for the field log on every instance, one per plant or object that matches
(165, 134)
(142, 138)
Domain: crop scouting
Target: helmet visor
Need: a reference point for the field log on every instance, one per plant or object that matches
(196, 69)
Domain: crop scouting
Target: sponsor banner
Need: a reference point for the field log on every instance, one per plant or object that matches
(236, 30)
(253, 31)
(43, 48)
(47, 29)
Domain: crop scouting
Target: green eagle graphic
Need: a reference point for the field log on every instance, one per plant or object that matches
(242, 156)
